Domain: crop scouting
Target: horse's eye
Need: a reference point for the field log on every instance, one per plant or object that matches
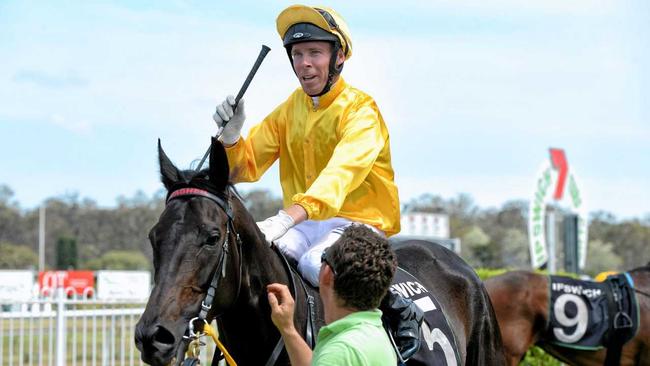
(213, 238)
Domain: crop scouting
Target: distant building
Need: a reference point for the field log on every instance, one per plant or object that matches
(427, 226)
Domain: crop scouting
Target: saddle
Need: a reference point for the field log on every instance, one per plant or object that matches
(439, 344)
(590, 315)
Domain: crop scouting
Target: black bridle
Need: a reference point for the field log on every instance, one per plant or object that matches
(206, 304)
(220, 272)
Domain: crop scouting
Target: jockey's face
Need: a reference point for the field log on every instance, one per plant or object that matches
(311, 61)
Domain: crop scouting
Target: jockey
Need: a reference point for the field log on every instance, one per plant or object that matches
(334, 152)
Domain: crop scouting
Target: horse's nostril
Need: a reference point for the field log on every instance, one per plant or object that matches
(162, 335)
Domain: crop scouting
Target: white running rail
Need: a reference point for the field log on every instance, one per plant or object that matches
(59, 331)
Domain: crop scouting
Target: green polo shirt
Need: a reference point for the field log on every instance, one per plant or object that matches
(355, 340)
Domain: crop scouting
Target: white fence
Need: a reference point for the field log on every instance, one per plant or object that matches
(60, 331)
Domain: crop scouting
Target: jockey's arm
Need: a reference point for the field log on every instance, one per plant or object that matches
(276, 226)
(297, 213)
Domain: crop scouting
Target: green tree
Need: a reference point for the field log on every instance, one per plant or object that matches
(428, 203)
(120, 260)
(66, 253)
(601, 257)
(11, 221)
(17, 257)
(630, 239)
(474, 247)
(514, 249)
(506, 229)
(261, 204)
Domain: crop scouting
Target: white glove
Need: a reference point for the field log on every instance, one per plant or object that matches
(276, 226)
(232, 119)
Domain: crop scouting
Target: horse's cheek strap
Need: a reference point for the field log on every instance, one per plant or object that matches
(206, 305)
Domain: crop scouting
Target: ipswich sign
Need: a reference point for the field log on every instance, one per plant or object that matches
(555, 182)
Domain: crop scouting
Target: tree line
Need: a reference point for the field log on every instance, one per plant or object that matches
(80, 234)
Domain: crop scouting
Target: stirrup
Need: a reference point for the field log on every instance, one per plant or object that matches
(622, 320)
(408, 345)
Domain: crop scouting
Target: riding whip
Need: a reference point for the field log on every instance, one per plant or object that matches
(263, 52)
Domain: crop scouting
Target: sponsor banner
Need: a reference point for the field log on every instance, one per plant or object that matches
(556, 182)
(73, 282)
(16, 285)
(580, 315)
(123, 285)
(537, 215)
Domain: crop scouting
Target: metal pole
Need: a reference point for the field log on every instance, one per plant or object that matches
(550, 239)
(571, 243)
(41, 239)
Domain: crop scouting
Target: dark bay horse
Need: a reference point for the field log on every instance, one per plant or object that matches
(205, 231)
(521, 302)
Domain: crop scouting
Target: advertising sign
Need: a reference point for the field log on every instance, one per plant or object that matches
(123, 285)
(554, 179)
(16, 285)
(73, 282)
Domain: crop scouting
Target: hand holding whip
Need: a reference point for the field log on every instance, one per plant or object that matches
(227, 112)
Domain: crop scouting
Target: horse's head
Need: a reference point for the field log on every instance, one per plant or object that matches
(193, 239)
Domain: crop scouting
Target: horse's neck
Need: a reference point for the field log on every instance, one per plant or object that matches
(263, 265)
(247, 328)
(260, 263)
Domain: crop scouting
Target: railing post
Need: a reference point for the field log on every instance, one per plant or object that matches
(60, 327)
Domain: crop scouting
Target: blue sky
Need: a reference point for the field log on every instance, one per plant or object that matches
(473, 92)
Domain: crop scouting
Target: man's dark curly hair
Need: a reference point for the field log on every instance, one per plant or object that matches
(364, 265)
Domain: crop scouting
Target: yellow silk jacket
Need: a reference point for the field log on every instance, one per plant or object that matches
(334, 158)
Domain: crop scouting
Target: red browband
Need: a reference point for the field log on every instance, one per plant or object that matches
(188, 192)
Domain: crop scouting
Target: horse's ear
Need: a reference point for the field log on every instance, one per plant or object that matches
(219, 170)
(169, 174)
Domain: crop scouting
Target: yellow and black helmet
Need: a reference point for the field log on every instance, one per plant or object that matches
(301, 23)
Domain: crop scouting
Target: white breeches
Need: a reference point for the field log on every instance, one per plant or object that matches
(306, 242)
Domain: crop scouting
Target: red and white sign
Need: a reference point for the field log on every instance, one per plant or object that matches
(73, 282)
(554, 179)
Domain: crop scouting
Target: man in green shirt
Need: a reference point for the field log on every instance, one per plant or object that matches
(355, 274)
